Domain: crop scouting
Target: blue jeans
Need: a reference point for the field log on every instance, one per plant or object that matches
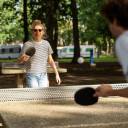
(35, 80)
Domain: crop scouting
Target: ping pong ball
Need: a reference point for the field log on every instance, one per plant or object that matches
(80, 60)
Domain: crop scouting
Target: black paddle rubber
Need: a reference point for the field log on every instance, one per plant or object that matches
(85, 97)
(30, 51)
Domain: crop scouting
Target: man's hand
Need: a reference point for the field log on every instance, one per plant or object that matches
(103, 91)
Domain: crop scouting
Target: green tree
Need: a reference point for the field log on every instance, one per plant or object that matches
(52, 12)
(92, 25)
(65, 23)
(9, 26)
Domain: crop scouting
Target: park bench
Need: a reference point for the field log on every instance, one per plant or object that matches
(17, 70)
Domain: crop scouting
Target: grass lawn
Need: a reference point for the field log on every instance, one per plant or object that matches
(13, 60)
(101, 59)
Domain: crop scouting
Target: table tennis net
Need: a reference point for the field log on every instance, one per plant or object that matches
(46, 93)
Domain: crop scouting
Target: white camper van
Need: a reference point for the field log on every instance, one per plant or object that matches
(68, 51)
(10, 51)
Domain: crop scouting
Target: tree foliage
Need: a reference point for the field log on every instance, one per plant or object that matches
(10, 28)
(58, 18)
(93, 27)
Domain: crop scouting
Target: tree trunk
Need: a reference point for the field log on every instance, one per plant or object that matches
(25, 21)
(49, 21)
(75, 32)
(52, 11)
(107, 41)
(55, 56)
(56, 13)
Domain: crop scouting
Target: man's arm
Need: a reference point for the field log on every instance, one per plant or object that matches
(106, 90)
(52, 63)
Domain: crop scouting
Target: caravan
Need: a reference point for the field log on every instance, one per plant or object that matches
(13, 51)
(10, 51)
(68, 51)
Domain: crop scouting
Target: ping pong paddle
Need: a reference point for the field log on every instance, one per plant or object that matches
(85, 97)
(30, 51)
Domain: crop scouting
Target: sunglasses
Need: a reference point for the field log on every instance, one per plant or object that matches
(35, 30)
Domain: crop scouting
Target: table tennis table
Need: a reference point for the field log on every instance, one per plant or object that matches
(54, 107)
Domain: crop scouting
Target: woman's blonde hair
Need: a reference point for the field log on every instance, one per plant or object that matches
(35, 23)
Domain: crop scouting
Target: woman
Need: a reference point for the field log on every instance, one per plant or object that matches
(36, 66)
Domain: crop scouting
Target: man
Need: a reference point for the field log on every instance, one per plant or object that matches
(115, 13)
